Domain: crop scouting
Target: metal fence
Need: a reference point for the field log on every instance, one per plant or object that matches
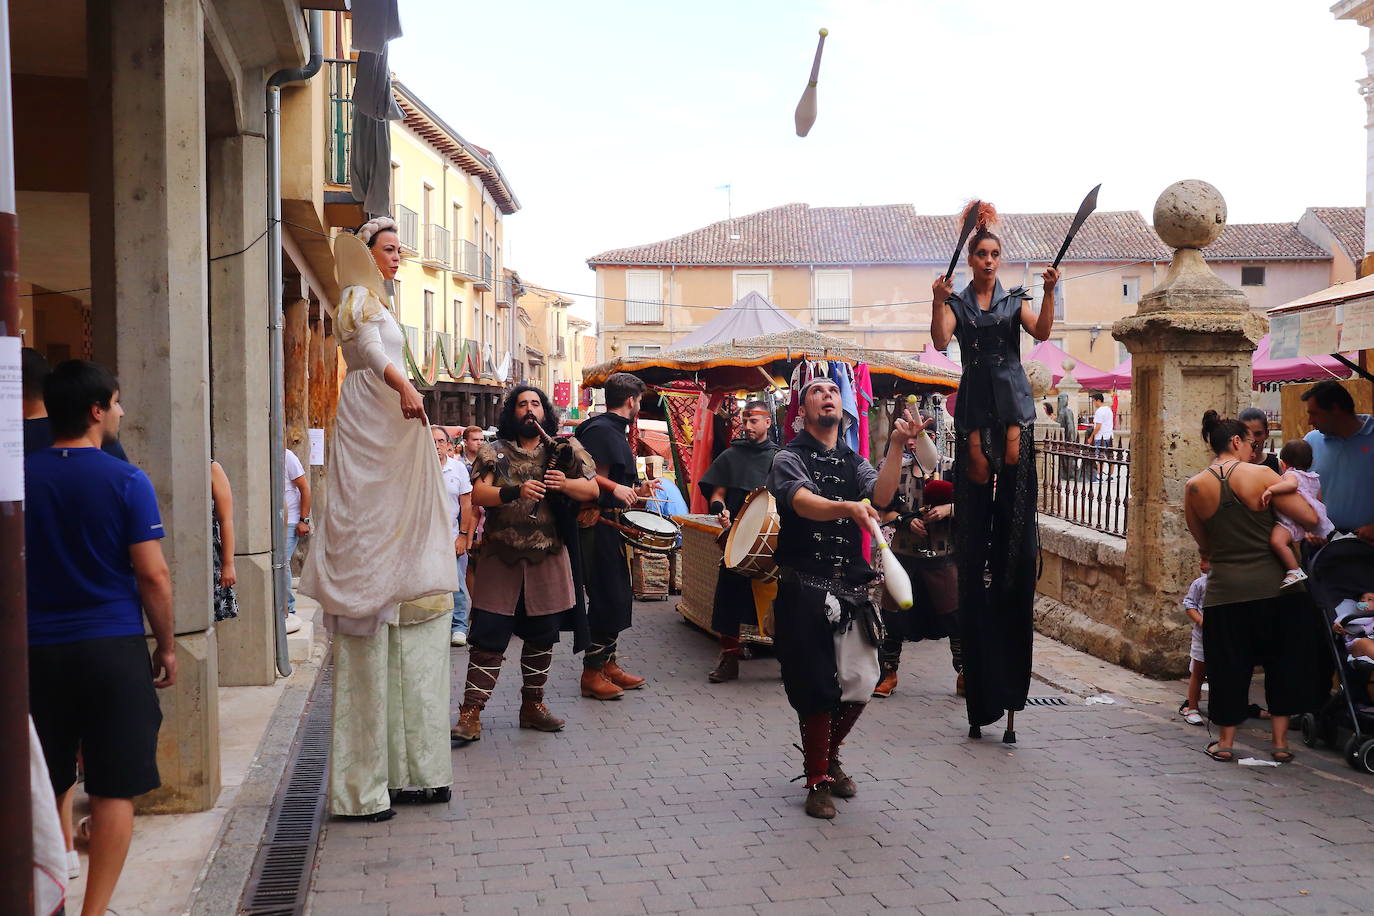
(1085, 484)
(340, 120)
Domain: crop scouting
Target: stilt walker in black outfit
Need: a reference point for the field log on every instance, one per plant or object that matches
(994, 487)
(826, 629)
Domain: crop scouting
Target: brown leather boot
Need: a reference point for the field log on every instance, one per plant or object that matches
(469, 727)
(534, 714)
(959, 685)
(620, 677)
(726, 669)
(818, 802)
(596, 686)
(842, 785)
(887, 684)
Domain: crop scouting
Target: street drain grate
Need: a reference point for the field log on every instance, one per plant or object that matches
(280, 880)
(1047, 701)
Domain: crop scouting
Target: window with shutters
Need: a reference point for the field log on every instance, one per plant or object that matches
(753, 281)
(1130, 290)
(643, 297)
(1037, 291)
(833, 296)
(426, 357)
(635, 351)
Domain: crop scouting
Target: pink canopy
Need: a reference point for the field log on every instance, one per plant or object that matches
(1300, 369)
(1053, 357)
(1121, 375)
(933, 357)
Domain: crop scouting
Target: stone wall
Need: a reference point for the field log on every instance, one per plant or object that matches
(1082, 601)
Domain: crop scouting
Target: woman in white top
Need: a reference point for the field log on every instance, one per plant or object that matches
(382, 563)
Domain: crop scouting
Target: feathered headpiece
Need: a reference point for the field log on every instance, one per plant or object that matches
(987, 214)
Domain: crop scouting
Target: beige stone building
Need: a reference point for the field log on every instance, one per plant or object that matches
(556, 334)
(864, 273)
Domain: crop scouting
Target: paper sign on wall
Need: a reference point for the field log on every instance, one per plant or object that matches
(316, 446)
(1283, 336)
(11, 422)
(1320, 333)
(1357, 331)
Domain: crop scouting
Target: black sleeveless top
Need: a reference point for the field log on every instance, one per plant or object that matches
(994, 390)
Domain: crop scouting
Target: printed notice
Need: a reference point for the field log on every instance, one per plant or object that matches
(1357, 332)
(316, 446)
(1320, 334)
(11, 422)
(1283, 336)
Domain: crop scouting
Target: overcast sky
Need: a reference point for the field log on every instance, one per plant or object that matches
(616, 121)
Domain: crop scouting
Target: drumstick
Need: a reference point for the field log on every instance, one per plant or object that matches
(897, 581)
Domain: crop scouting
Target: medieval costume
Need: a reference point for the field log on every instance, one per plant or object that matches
(929, 560)
(525, 582)
(381, 566)
(740, 469)
(826, 630)
(606, 567)
(995, 528)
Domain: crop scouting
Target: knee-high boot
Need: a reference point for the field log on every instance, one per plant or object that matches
(535, 662)
(484, 668)
(841, 722)
(815, 735)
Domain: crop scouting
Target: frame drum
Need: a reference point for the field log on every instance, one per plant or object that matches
(753, 537)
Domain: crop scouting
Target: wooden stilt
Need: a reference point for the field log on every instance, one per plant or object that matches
(1009, 736)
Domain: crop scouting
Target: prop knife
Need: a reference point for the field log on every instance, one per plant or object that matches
(1085, 209)
(970, 220)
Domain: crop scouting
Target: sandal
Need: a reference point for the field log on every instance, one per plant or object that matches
(1218, 751)
(1282, 754)
(1190, 714)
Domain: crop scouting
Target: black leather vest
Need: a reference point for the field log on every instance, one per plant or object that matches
(831, 549)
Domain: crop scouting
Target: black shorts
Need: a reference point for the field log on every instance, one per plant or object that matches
(491, 632)
(96, 696)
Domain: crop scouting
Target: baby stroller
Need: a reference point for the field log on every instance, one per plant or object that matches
(1343, 569)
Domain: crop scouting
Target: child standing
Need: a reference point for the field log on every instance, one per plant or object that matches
(1295, 463)
(1197, 667)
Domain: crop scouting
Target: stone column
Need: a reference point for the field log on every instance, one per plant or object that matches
(1191, 342)
(148, 278)
(239, 396)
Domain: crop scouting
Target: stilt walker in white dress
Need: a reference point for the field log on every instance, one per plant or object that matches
(381, 565)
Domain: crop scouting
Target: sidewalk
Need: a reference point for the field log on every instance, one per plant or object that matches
(678, 797)
(169, 855)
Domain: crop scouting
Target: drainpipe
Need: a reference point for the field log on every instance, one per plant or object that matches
(281, 570)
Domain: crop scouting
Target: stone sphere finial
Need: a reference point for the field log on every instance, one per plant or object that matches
(1068, 363)
(1189, 214)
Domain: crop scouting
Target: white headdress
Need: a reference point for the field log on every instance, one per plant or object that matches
(377, 224)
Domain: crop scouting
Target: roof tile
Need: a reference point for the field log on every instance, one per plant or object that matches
(1263, 242)
(1347, 225)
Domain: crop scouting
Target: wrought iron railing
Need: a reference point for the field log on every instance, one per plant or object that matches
(437, 244)
(340, 120)
(409, 223)
(1085, 484)
(487, 267)
(471, 261)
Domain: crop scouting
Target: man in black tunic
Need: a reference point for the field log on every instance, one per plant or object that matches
(738, 471)
(610, 601)
(826, 629)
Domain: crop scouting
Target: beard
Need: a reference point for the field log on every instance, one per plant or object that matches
(529, 427)
(828, 421)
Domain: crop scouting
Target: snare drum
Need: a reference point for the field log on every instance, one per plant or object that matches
(753, 537)
(649, 531)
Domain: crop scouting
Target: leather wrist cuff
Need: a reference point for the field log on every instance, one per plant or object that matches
(510, 494)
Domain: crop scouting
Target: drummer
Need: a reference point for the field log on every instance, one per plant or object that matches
(738, 471)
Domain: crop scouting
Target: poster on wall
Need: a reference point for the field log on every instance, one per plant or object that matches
(316, 446)
(1357, 331)
(11, 421)
(1283, 336)
(1319, 334)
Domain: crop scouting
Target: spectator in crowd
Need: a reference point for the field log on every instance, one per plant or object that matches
(473, 437)
(1247, 619)
(1101, 435)
(1295, 461)
(1257, 425)
(1197, 665)
(37, 429)
(297, 526)
(95, 568)
(1343, 456)
(458, 485)
(222, 536)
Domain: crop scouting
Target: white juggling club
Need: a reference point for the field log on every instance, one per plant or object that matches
(894, 576)
(806, 108)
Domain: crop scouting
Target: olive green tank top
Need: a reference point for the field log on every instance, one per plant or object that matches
(1244, 567)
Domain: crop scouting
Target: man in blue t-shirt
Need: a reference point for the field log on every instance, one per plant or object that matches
(95, 567)
(1343, 456)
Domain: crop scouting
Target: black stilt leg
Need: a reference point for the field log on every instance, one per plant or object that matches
(1009, 736)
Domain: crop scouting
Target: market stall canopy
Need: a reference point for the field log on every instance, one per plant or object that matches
(933, 357)
(1301, 369)
(749, 317)
(1337, 319)
(1121, 375)
(1050, 353)
(743, 364)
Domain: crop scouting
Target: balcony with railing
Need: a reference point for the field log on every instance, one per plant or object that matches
(437, 245)
(340, 78)
(833, 311)
(445, 347)
(488, 273)
(408, 223)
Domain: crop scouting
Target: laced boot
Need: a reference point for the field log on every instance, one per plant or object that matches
(597, 687)
(815, 748)
(841, 721)
(727, 666)
(888, 684)
(620, 677)
(483, 670)
(535, 662)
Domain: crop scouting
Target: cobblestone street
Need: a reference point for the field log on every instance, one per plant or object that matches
(678, 798)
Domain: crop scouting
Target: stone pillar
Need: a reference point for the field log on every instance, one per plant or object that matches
(1191, 342)
(239, 398)
(148, 277)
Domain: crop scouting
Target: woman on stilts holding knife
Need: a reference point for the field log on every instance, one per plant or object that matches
(994, 417)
